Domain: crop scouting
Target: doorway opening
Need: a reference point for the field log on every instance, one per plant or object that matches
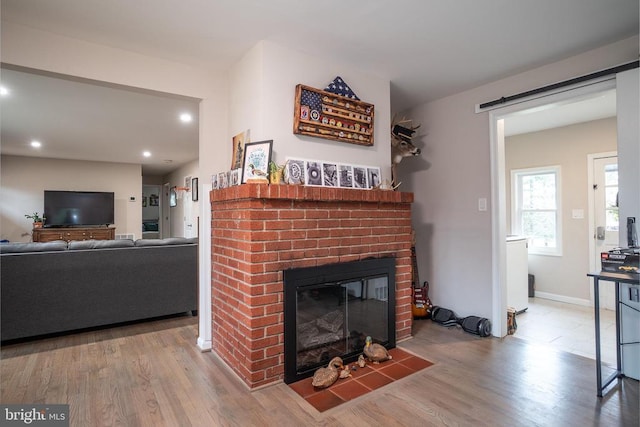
(500, 120)
(604, 216)
(151, 208)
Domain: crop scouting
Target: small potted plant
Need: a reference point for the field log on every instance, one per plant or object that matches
(275, 173)
(38, 221)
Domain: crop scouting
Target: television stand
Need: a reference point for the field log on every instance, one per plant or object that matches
(73, 233)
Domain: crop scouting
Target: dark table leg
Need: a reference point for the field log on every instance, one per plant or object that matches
(596, 305)
(618, 373)
(618, 340)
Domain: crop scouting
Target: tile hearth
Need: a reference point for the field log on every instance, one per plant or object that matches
(363, 380)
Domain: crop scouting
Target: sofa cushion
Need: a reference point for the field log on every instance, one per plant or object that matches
(100, 244)
(166, 242)
(10, 248)
(181, 240)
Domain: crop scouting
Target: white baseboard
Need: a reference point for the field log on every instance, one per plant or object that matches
(562, 298)
(204, 345)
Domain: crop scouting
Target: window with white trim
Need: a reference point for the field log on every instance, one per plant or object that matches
(535, 211)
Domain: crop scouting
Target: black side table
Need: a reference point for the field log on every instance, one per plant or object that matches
(617, 278)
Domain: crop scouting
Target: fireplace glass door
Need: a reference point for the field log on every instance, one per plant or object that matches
(333, 315)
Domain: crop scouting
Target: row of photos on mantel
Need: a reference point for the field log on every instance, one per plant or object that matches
(314, 173)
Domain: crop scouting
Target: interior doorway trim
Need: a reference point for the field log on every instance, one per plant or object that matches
(497, 118)
(204, 341)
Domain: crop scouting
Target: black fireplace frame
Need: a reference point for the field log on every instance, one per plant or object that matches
(338, 273)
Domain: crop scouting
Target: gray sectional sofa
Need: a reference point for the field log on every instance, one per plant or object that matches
(57, 287)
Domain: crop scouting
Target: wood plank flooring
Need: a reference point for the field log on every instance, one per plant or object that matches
(152, 374)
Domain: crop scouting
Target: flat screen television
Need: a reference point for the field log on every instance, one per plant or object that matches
(78, 208)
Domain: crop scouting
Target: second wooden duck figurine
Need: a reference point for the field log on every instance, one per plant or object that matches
(324, 377)
(375, 352)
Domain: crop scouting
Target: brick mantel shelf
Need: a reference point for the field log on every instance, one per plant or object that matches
(260, 230)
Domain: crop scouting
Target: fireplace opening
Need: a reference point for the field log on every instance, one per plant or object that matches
(329, 311)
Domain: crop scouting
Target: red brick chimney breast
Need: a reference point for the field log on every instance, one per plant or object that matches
(259, 230)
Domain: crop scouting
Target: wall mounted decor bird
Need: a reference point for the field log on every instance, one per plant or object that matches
(324, 377)
(375, 352)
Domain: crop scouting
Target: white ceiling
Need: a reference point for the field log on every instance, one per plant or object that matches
(81, 120)
(427, 49)
(593, 107)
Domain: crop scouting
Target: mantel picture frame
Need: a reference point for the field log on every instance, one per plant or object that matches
(257, 156)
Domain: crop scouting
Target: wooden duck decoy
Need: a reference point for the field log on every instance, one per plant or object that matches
(324, 377)
(375, 352)
(345, 373)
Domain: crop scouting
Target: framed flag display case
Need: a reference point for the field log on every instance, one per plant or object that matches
(334, 116)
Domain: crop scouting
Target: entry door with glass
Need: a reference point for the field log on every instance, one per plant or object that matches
(606, 217)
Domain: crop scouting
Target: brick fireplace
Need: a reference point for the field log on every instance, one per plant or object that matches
(260, 230)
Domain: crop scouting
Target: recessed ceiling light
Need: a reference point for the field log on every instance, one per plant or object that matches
(146, 153)
(4, 91)
(186, 118)
(36, 144)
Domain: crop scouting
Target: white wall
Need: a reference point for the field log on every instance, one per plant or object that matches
(567, 147)
(262, 97)
(628, 105)
(24, 180)
(245, 94)
(454, 239)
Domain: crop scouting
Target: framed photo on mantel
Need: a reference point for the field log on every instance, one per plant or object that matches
(257, 156)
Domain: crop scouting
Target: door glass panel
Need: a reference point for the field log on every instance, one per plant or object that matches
(611, 197)
(611, 175)
(612, 220)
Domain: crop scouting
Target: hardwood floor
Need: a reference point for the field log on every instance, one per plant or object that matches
(152, 374)
(568, 327)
